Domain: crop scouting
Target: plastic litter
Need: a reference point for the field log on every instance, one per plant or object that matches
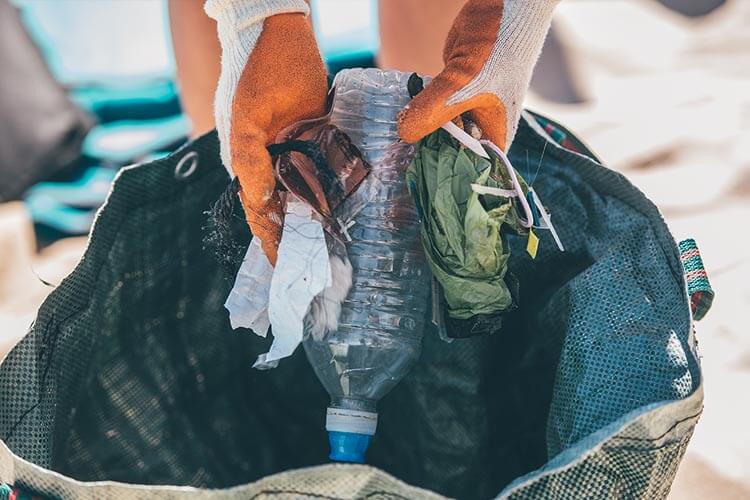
(468, 205)
(130, 384)
(380, 330)
(302, 271)
(248, 300)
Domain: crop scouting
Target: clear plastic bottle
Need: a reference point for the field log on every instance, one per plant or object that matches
(380, 329)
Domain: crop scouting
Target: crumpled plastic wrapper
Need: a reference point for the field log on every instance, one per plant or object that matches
(462, 230)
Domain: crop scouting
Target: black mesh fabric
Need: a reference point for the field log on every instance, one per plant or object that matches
(132, 373)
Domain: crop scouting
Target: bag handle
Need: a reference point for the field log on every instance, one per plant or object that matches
(699, 288)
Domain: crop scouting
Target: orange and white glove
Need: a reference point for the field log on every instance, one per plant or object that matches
(272, 76)
(489, 56)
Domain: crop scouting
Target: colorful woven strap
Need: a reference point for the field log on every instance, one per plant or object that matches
(699, 288)
(557, 134)
(8, 492)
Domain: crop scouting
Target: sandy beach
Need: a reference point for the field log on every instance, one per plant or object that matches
(669, 107)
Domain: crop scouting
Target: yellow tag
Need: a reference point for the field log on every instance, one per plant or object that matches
(533, 245)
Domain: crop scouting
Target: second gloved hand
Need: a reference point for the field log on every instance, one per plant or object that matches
(489, 56)
(272, 76)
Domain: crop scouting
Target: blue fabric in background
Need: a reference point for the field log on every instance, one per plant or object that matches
(347, 32)
(128, 41)
(116, 59)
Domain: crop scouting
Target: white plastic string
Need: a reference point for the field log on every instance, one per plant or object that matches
(517, 192)
(465, 139)
(477, 147)
(547, 219)
(492, 191)
(529, 221)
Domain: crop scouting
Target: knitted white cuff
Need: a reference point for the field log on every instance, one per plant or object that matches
(524, 26)
(240, 14)
(239, 23)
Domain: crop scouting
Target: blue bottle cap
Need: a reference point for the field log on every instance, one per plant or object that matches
(348, 446)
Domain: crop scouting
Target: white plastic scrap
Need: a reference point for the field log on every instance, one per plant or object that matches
(248, 301)
(325, 309)
(547, 220)
(302, 271)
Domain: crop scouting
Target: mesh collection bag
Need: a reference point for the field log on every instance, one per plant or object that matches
(131, 383)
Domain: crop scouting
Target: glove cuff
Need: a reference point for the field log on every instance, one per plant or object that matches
(524, 27)
(507, 71)
(237, 15)
(240, 24)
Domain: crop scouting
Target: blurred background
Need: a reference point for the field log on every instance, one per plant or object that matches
(659, 89)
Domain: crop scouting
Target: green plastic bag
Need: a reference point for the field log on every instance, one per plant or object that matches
(463, 231)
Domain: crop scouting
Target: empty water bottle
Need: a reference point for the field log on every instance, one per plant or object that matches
(380, 329)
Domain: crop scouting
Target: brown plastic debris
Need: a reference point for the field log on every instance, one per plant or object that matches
(323, 188)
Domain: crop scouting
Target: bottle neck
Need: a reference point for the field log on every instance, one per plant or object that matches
(351, 421)
(367, 405)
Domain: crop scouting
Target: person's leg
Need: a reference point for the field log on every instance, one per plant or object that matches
(197, 54)
(412, 33)
(198, 57)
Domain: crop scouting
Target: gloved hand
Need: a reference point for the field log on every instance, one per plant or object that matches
(489, 56)
(272, 76)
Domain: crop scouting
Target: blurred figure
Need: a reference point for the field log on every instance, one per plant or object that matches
(272, 76)
(198, 56)
(693, 8)
(42, 130)
(412, 33)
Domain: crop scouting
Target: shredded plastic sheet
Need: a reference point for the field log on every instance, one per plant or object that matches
(302, 271)
(264, 296)
(462, 228)
(293, 296)
(248, 301)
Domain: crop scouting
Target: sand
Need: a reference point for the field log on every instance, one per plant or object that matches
(669, 107)
(24, 271)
